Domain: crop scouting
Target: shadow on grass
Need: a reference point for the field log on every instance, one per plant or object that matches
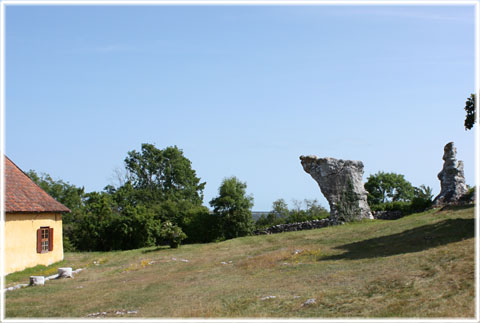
(418, 239)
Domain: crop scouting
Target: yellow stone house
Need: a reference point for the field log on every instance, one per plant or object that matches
(33, 223)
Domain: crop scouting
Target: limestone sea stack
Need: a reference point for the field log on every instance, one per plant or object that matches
(452, 178)
(341, 183)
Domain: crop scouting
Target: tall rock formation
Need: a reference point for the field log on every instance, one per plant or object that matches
(452, 179)
(341, 183)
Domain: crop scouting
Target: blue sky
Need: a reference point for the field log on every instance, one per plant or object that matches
(242, 90)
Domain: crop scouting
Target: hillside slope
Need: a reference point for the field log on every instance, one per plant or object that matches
(418, 266)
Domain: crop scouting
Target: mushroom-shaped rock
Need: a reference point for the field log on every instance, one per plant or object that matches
(341, 183)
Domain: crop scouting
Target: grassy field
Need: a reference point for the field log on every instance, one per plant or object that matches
(417, 266)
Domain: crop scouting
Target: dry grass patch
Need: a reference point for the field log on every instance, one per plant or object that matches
(418, 266)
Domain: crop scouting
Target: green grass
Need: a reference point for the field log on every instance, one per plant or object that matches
(421, 265)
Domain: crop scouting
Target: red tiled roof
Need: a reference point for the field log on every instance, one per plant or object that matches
(22, 195)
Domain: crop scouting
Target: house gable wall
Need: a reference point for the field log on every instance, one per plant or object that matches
(21, 240)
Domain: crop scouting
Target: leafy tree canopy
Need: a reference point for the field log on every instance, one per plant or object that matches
(470, 110)
(67, 194)
(388, 187)
(233, 208)
(161, 175)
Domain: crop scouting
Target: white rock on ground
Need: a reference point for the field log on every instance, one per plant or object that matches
(37, 280)
(65, 272)
(51, 277)
(309, 302)
(44, 280)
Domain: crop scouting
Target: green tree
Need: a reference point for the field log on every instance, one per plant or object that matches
(277, 215)
(470, 109)
(306, 210)
(388, 187)
(280, 208)
(104, 228)
(67, 194)
(160, 175)
(233, 209)
(64, 192)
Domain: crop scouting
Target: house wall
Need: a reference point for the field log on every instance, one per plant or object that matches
(21, 240)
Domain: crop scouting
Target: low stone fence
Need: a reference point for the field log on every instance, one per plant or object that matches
(65, 272)
(317, 224)
(297, 226)
(387, 215)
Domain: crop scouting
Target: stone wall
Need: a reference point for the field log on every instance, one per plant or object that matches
(298, 226)
(387, 215)
(317, 224)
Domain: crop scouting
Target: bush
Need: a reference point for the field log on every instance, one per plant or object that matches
(404, 207)
(172, 234)
(421, 200)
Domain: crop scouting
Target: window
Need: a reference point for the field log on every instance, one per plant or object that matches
(44, 239)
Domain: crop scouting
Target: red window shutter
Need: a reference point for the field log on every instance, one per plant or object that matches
(50, 239)
(39, 241)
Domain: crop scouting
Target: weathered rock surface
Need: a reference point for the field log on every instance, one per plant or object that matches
(452, 179)
(341, 183)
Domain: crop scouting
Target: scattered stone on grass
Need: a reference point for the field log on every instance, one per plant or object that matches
(37, 280)
(309, 302)
(117, 312)
(267, 297)
(96, 314)
(16, 287)
(182, 260)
